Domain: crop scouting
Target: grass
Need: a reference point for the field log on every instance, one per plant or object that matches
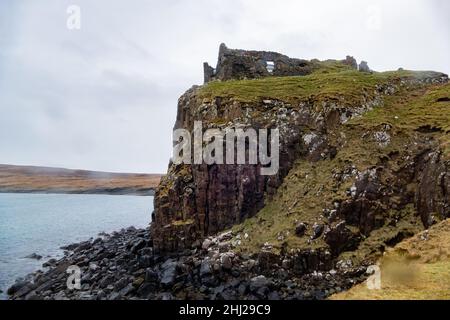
(310, 187)
(322, 84)
(426, 113)
(416, 269)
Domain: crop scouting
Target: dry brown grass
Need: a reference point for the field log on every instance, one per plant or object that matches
(416, 269)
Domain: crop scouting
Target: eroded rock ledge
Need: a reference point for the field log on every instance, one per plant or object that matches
(195, 201)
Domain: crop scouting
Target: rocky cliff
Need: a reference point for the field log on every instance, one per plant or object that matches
(363, 155)
(364, 164)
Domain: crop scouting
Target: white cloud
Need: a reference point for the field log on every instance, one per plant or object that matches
(104, 97)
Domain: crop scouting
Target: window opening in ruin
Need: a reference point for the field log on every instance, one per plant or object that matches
(270, 65)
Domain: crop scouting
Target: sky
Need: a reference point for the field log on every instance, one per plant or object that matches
(104, 96)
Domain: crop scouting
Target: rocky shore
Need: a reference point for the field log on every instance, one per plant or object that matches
(123, 265)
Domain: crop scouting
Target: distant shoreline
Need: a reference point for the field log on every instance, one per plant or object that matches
(46, 180)
(143, 193)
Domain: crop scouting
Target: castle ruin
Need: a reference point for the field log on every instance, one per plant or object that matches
(250, 64)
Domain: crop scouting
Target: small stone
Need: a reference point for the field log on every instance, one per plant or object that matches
(17, 286)
(273, 296)
(226, 261)
(121, 284)
(205, 268)
(206, 244)
(317, 231)
(300, 229)
(259, 282)
(138, 282)
(150, 276)
(168, 274)
(49, 263)
(34, 256)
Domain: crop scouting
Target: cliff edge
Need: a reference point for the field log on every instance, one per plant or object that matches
(361, 153)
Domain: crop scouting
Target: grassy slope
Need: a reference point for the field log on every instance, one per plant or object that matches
(417, 268)
(310, 187)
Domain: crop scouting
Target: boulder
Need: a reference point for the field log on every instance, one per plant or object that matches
(300, 229)
(259, 282)
(168, 273)
(34, 256)
(317, 230)
(364, 67)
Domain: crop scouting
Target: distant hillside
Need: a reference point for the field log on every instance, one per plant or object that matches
(30, 179)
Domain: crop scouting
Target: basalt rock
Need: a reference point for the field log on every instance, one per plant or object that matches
(198, 200)
(433, 193)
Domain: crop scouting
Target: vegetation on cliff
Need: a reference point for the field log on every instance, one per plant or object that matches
(417, 268)
(412, 122)
(364, 164)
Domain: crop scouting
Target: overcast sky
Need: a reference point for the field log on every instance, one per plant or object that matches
(104, 97)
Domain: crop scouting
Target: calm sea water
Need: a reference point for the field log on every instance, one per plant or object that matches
(42, 223)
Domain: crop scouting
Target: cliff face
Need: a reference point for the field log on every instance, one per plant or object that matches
(314, 114)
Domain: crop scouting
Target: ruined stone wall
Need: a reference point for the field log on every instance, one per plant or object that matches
(246, 64)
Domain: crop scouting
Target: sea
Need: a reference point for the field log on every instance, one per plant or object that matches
(42, 223)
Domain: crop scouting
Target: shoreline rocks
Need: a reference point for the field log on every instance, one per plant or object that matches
(33, 256)
(123, 265)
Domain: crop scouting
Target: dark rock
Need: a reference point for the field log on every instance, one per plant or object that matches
(106, 281)
(137, 245)
(259, 282)
(226, 261)
(146, 289)
(267, 260)
(145, 261)
(165, 296)
(17, 286)
(83, 246)
(432, 195)
(115, 296)
(168, 273)
(205, 268)
(242, 289)
(49, 263)
(33, 296)
(127, 290)
(34, 256)
(340, 238)
(262, 292)
(70, 247)
(122, 283)
(350, 61)
(317, 231)
(364, 67)
(151, 276)
(300, 229)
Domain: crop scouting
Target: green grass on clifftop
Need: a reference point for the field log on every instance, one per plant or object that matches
(324, 82)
